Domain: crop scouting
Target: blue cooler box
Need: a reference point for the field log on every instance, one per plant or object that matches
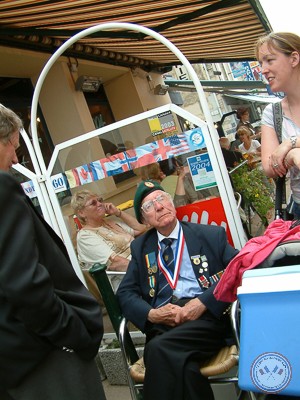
(270, 330)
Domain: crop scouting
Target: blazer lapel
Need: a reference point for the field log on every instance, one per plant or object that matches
(197, 257)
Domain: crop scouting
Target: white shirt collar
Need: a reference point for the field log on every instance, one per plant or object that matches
(173, 235)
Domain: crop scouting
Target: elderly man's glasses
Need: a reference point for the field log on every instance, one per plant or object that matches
(148, 206)
(94, 202)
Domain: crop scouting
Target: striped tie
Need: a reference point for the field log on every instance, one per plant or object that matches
(165, 291)
(168, 255)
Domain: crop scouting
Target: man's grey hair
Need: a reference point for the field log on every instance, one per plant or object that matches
(9, 123)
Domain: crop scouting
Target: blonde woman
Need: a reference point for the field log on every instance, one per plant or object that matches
(104, 239)
(279, 57)
(248, 145)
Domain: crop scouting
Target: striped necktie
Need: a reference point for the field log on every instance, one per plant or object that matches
(165, 291)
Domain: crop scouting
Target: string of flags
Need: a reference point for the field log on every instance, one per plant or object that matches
(134, 158)
(124, 161)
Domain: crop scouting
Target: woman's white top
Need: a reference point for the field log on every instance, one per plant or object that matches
(252, 149)
(289, 128)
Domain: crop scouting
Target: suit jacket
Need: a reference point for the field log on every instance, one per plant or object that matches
(231, 157)
(201, 240)
(43, 304)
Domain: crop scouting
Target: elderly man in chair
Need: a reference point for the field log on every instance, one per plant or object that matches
(167, 292)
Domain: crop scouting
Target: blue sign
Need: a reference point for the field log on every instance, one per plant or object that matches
(201, 171)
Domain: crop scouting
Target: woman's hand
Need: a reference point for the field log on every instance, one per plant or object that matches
(181, 172)
(131, 221)
(111, 209)
(292, 159)
(276, 160)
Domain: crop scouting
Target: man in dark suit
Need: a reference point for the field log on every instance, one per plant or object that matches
(50, 325)
(169, 296)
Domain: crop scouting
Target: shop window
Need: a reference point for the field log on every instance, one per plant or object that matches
(102, 115)
(16, 93)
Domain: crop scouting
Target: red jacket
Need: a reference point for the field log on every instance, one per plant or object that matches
(255, 251)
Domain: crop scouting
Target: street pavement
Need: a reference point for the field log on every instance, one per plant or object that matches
(116, 392)
(113, 392)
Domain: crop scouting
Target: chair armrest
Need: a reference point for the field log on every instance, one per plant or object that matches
(234, 319)
(98, 272)
(128, 349)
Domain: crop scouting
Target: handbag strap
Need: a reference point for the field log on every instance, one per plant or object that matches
(280, 194)
(277, 118)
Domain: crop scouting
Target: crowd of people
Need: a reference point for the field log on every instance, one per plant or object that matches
(51, 326)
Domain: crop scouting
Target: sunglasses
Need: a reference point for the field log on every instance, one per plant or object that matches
(94, 202)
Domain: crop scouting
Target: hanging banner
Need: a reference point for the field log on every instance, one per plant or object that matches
(59, 183)
(146, 154)
(28, 188)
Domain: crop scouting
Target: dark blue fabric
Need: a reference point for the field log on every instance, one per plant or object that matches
(165, 291)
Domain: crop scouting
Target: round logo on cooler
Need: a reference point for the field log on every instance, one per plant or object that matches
(271, 372)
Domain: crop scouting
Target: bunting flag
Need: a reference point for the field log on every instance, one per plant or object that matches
(85, 174)
(140, 156)
(97, 170)
(72, 178)
(131, 158)
(160, 149)
(146, 154)
(114, 165)
(178, 145)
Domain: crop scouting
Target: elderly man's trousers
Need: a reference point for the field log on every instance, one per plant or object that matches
(172, 359)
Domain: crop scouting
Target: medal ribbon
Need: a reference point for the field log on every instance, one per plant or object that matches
(151, 277)
(172, 280)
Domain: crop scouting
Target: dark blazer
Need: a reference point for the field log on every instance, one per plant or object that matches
(133, 292)
(43, 304)
(231, 157)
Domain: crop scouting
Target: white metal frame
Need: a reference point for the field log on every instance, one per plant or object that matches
(52, 209)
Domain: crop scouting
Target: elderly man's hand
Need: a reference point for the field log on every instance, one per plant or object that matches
(190, 312)
(164, 315)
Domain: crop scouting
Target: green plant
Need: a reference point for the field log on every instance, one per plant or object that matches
(114, 344)
(257, 190)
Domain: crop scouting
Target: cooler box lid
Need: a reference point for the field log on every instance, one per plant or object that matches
(266, 280)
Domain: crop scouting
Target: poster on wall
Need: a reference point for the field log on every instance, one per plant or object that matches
(242, 70)
(201, 171)
(162, 124)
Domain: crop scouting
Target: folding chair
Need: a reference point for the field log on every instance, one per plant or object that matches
(220, 369)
